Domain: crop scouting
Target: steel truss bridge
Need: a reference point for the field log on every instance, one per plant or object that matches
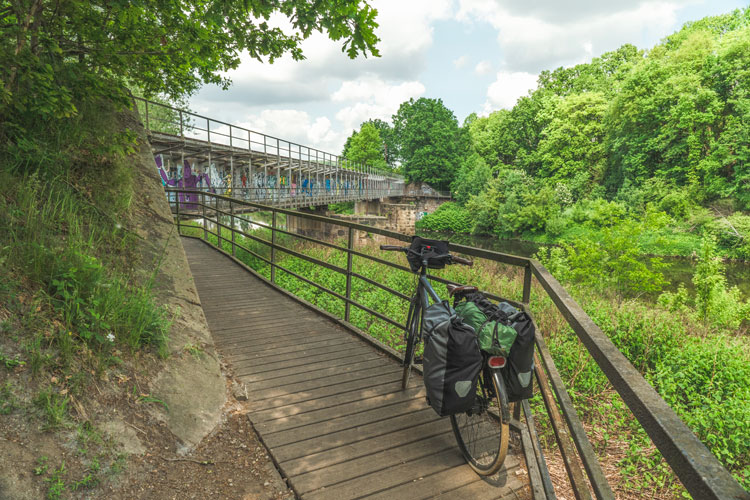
(197, 152)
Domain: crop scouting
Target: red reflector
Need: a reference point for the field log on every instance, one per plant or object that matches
(496, 361)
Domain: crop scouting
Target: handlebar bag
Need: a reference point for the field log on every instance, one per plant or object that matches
(452, 360)
(435, 251)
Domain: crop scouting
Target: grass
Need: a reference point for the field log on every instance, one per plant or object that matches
(69, 263)
(702, 373)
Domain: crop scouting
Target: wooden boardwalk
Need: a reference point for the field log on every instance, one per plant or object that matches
(328, 405)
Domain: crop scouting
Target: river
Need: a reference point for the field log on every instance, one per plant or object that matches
(679, 271)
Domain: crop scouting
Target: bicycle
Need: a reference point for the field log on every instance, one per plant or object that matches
(483, 431)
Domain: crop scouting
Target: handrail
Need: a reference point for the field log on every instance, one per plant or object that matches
(698, 470)
(182, 123)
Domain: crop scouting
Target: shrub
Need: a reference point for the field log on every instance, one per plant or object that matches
(449, 216)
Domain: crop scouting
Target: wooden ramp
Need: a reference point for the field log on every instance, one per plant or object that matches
(328, 405)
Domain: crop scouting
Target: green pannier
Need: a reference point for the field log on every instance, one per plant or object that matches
(494, 337)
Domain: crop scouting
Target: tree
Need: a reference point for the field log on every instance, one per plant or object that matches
(365, 147)
(431, 144)
(53, 54)
(572, 150)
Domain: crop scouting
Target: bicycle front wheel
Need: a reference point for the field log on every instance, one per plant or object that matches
(481, 434)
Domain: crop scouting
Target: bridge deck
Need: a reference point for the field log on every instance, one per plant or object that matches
(328, 405)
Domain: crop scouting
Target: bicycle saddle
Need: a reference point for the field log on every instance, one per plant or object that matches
(460, 289)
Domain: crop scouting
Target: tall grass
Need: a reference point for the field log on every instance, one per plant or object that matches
(64, 212)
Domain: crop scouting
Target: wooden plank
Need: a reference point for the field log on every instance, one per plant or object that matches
(246, 373)
(397, 475)
(342, 423)
(342, 410)
(273, 357)
(292, 395)
(253, 344)
(322, 402)
(381, 460)
(315, 461)
(435, 482)
(353, 435)
(505, 487)
(297, 348)
(301, 377)
(250, 366)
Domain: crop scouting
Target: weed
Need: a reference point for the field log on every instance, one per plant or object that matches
(41, 465)
(147, 398)
(11, 362)
(56, 483)
(8, 400)
(118, 465)
(88, 481)
(193, 349)
(54, 408)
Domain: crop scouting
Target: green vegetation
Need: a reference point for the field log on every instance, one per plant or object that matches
(700, 365)
(631, 135)
(366, 147)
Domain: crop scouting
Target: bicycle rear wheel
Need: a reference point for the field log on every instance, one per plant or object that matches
(481, 434)
(413, 323)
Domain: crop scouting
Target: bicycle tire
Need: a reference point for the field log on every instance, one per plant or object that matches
(481, 434)
(412, 339)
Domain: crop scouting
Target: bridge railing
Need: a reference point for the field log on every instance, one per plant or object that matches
(291, 197)
(698, 470)
(186, 125)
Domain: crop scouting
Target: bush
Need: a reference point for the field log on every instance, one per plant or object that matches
(449, 216)
(732, 233)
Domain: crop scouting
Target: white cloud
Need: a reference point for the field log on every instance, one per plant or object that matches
(298, 127)
(460, 62)
(372, 98)
(532, 40)
(483, 68)
(507, 88)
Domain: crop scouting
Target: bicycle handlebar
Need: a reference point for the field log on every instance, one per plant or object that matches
(454, 259)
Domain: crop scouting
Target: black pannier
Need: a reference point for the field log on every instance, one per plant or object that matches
(436, 252)
(519, 370)
(452, 360)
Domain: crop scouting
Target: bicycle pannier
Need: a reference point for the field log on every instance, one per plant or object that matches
(495, 335)
(435, 251)
(520, 367)
(452, 360)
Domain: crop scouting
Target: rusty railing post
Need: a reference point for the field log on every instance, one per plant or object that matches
(218, 224)
(177, 205)
(350, 247)
(273, 246)
(526, 283)
(205, 222)
(231, 214)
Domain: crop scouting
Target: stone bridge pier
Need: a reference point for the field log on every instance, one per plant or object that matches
(398, 213)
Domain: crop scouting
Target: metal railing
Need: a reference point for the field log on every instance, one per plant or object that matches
(698, 470)
(171, 121)
(289, 197)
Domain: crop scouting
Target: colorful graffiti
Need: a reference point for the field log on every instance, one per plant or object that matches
(273, 184)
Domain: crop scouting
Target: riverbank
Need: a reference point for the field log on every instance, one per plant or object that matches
(679, 270)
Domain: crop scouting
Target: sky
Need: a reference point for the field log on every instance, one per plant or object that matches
(475, 55)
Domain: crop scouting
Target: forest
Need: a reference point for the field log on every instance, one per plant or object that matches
(659, 138)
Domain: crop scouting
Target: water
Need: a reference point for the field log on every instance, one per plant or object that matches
(679, 271)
